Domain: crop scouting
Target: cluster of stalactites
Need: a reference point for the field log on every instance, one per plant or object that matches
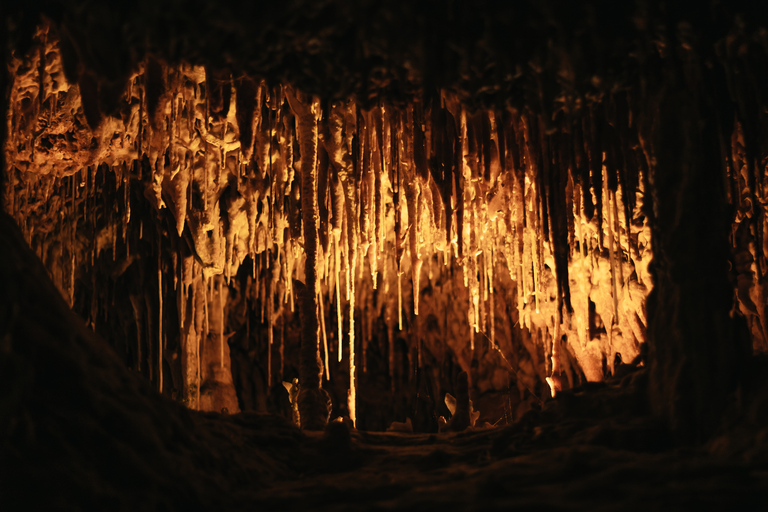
(557, 201)
(747, 182)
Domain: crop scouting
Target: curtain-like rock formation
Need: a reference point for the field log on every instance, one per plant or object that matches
(527, 224)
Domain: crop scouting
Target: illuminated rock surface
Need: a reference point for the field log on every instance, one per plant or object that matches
(496, 195)
(407, 199)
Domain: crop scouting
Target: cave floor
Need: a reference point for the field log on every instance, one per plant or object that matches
(579, 452)
(468, 472)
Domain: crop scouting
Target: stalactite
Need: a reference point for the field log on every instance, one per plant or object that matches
(149, 336)
(312, 407)
(281, 351)
(412, 198)
(338, 293)
(221, 325)
(137, 322)
(262, 287)
(206, 302)
(321, 301)
(399, 302)
(556, 168)
(619, 253)
(379, 193)
(369, 213)
(160, 331)
(352, 398)
(181, 292)
(608, 209)
(596, 163)
(275, 310)
(492, 294)
(72, 230)
(290, 261)
(369, 321)
(390, 344)
(429, 177)
(554, 380)
(482, 296)
(200, 323)
(349, 178)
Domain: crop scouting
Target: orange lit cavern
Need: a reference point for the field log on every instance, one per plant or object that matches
(483, 251)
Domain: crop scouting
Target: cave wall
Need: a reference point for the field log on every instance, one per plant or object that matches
(545, 167)
(160, 191)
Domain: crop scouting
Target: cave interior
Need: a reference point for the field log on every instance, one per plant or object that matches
(392, 255)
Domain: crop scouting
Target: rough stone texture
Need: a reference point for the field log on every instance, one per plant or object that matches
(633, 99)
(213, 200)
(696, 350)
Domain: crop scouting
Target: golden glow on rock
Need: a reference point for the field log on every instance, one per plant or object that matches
(463, 193)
